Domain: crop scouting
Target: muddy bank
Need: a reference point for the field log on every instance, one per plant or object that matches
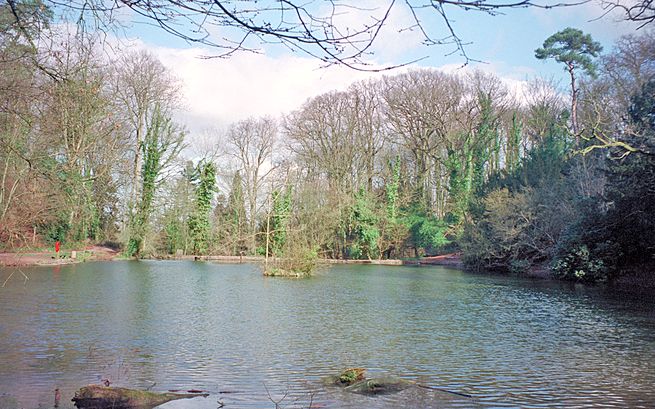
(449, 260)
(49, 258)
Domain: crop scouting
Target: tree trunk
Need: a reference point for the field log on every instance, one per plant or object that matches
(574, 102)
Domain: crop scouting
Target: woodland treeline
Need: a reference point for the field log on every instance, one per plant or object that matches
(416, 163)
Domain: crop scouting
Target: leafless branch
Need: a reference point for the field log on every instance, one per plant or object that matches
(642, 11)
(312, 27)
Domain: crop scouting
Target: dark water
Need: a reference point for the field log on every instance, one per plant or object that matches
(224, 328)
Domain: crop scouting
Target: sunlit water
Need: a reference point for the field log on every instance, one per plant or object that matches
(250, 340)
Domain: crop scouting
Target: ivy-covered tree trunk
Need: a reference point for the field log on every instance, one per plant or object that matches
(236, 215)
(161, 145)
(279, 221)
(199, 225)
(364, 229)
(512, 148)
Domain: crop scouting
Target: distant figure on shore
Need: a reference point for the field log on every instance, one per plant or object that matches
(57, 397)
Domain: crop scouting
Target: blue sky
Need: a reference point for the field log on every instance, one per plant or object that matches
(221, 91)
(506, 40)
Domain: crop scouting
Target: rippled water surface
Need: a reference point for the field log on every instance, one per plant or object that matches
(225, 329)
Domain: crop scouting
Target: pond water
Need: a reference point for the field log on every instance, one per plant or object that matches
(249, 340)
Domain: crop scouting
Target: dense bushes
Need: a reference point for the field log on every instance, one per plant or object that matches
(587, 218)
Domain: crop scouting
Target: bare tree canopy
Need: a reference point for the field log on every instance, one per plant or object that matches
(334, 32)
(640, 11)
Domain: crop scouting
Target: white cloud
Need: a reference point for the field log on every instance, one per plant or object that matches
(218, 92)
(398, 35)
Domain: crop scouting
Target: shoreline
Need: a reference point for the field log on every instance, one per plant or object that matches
(639, 281)
(49, 258)
(98, 253)
(446, 260)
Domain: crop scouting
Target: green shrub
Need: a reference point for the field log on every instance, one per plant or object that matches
(581, 265)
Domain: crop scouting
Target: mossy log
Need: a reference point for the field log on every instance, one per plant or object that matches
(380, 386)
(353, 380)
(104, 397)
(347, 377)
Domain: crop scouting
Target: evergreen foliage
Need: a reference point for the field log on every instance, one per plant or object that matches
(363, 228)
(161, 145)
(571, 47)
(280, 220)
(427, 233)
(236, 215)
(199, 223)
(392, 191)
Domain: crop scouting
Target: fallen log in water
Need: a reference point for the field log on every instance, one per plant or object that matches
(379, 386)
(104, 397)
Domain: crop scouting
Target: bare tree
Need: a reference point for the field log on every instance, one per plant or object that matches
(140, 83)
(81, 130)
(606, 101)
(251, 142)
(370, 131)
(640, 11)
(544, 103)
(423, 110)
(322, 137)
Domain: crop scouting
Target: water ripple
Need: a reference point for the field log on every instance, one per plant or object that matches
(225, 329)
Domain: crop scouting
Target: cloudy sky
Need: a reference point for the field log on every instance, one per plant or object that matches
(275, 81)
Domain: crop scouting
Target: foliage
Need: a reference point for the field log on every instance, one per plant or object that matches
(422, 162)
(235, 215)
(513, 150)
(571, 47)
(392, 231)
(426, 232)
(56, 230)
(26, 18)
(280, 220)
(173, 235)
(579, 264)
(392, 191)
(486, 138)
(575, 49)
(631, 185)
(351, 375)
(517, 219)
(161, 145)
(363, 228)
(199, 224)
(496, 239)
(298, 264)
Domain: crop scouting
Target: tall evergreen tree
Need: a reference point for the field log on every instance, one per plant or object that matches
(576, 50)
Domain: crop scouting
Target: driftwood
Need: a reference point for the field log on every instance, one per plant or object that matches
(103, 397)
